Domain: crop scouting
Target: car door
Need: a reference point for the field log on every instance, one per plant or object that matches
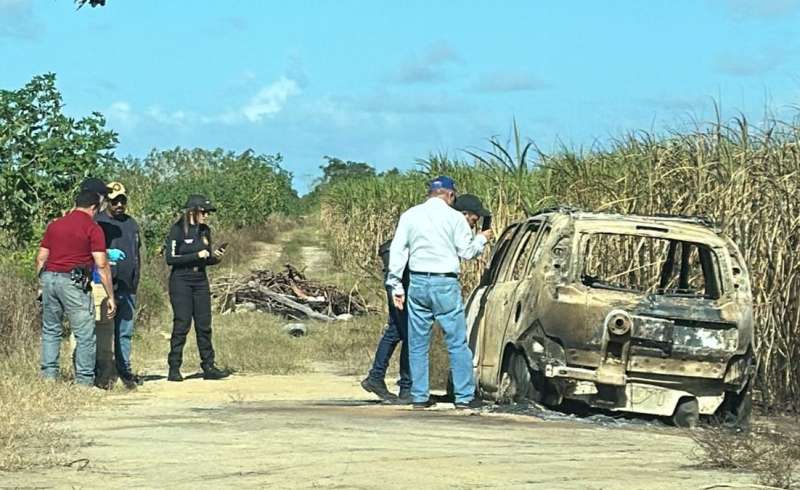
(500, 301)
(476, 305)
(528, 287)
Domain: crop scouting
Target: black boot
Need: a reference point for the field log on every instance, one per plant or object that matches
(213, 372)
(379, 388)
(404, 396)
(174, 374)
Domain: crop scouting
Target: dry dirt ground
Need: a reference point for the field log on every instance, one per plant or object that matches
(320, 430)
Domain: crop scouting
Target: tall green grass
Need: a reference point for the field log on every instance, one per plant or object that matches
(743, 176)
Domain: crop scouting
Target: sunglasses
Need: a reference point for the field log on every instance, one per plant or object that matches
(119, 201)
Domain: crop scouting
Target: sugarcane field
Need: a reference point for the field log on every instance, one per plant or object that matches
(517, 245)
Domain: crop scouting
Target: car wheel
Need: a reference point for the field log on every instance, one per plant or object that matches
(737, 408)
(516, 385)
(687, 413)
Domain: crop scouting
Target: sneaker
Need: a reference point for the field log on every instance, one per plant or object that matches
(473, 404)
(215, 373)
(423, 405)
(378, 388)
(174, 375)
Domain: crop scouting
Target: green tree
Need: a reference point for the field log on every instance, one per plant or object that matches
(44, 155)
(337, 169)
(245, 187)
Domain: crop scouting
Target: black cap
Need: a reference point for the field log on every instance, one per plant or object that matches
(198, 201)
(471, 203)
(94, 185)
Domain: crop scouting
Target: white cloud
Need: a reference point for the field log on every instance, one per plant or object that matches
(17, 20)
(760, 9)
(428, 67)
(510, 82)
(266, 103)
(120, 112)
(754, 63)
(270, 99)
(175, 118)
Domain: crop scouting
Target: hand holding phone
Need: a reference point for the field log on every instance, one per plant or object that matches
(220, 251)
(487, 223)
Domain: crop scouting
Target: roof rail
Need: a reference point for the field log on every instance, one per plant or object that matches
(561, 208)
(699, 219)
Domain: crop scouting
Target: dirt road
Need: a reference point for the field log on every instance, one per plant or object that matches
(321, 431)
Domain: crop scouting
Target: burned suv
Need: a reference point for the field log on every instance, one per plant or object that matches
(651, 315)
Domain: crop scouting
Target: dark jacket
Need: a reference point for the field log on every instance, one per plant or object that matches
(123, 233)
(383, 252)
(182, 247)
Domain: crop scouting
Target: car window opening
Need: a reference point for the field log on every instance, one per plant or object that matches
(650, 265)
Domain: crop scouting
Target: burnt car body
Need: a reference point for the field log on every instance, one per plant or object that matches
(642, 314)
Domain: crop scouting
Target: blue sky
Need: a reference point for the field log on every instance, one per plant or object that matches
(390, 82)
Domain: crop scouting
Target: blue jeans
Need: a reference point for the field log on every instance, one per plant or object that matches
(60, 297)
(396, 332)
(438, 298)
(123, 332)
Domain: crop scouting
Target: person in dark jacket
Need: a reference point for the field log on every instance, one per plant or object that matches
(396, 331)
(123, 242)
(188, 251)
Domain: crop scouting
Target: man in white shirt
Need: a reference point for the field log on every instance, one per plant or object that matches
(431, 238)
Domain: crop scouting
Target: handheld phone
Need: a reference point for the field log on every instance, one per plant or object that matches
(487, 223)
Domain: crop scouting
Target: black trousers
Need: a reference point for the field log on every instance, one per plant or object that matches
(190, 296)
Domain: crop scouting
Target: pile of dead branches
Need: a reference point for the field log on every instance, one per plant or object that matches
(287, 293)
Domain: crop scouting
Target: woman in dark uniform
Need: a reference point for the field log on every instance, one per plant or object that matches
(189, 252)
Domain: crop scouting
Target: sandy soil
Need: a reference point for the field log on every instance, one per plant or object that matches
(321, 431)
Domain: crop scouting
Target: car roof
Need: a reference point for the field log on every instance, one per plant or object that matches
(697, 226)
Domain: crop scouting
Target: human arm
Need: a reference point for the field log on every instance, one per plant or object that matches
(41, 259)
(171, 250)
(97, 244)
(398, 258)
(468, 246)
(101, 262)
(215, 255)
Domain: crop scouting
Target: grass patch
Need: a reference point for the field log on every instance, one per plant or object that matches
(29, 410)
(771, 453)
(253, 342)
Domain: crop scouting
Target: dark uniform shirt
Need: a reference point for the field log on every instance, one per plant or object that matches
(383, 251)
(123, 233)
(182, 246)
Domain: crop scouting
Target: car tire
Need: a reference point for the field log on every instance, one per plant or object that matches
(687, 413)
(737, 408)
(516, 384)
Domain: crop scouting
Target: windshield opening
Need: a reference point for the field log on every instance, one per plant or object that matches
(650, 265)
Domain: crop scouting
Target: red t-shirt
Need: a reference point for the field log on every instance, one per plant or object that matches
(71, 241)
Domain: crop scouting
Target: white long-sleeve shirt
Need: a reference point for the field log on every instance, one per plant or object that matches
(431, 237)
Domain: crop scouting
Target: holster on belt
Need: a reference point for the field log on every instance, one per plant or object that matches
(81, 277)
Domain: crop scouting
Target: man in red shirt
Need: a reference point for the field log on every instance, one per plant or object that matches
(69, 248)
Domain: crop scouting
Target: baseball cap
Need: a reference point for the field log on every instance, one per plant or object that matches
(472, 204)
(94, 185)
(199, 201)
(116, 189)
(442, 182)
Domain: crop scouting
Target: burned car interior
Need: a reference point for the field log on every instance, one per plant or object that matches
(650, 265)
(638, 314)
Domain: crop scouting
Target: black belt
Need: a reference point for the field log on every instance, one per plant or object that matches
(435, 274)
(195, 268)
